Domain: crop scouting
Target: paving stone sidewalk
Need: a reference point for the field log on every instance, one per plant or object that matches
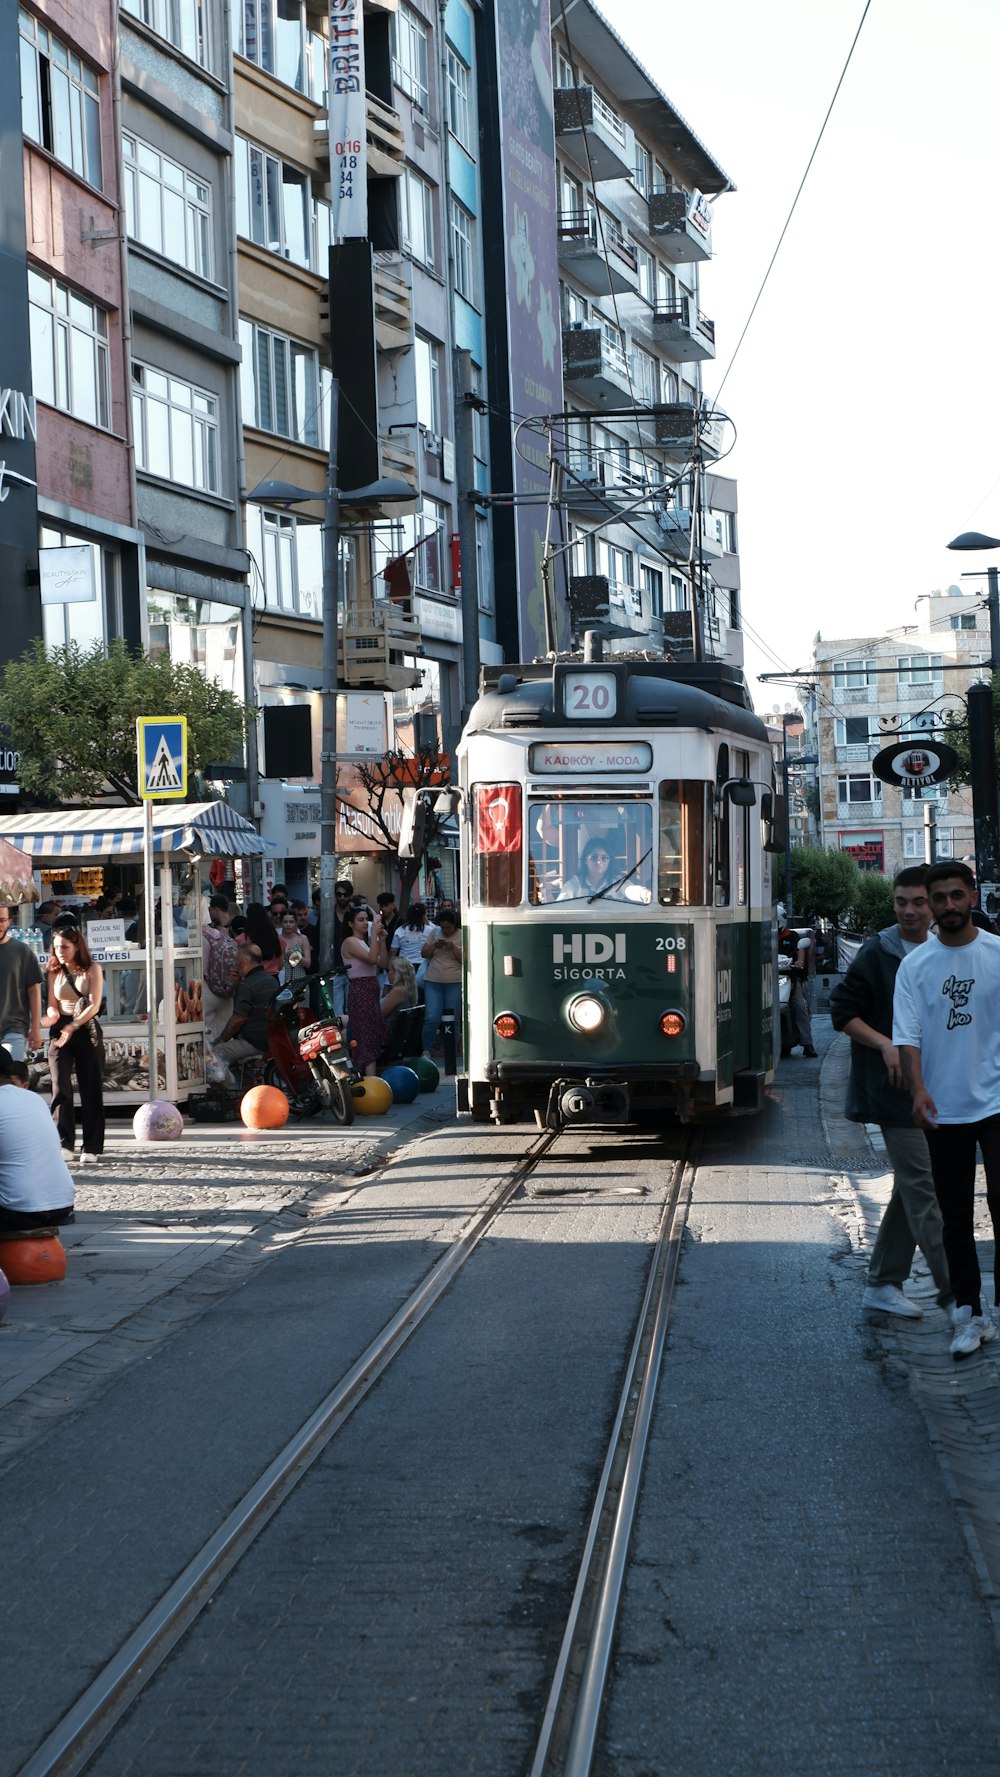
(162, 1228)
(960, 1402)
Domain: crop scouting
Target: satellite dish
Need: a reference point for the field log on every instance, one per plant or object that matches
(954, 592)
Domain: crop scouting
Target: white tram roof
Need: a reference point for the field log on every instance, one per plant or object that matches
(652, 694)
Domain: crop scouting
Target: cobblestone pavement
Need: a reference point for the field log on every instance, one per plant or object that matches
(162, 1230)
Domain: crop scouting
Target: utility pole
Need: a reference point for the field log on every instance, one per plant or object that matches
(465, 467)
(331, 679)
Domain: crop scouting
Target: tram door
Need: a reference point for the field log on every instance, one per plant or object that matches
(736, 1016)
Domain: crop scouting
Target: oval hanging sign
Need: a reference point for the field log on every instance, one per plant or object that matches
(916, 765)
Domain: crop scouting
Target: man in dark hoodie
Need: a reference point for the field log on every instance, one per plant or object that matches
(861, 1005)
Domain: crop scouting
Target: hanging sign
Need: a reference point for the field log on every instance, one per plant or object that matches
(914, 767)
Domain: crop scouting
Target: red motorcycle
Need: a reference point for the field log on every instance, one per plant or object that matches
(313, 1055)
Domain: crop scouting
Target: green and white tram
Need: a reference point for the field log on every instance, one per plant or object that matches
(618, 820)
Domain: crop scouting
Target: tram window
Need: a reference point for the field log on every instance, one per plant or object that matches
(741, 835)
(721, 858)
(576, 850)
(683, 830)
(499, 848)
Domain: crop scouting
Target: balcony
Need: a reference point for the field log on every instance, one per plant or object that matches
(398, 458)
(859, 813)
(598, 483)
(683, 331)
(682, 225)
(592, 133)
(393, 302)
(385, 142)
(597, 253)
(674, 429)
(846, 695)
(595, 365)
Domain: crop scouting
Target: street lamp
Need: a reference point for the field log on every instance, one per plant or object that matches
(388, 490)
(982, 736)
(799, 759)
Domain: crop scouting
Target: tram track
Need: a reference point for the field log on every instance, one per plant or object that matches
(569, 1725)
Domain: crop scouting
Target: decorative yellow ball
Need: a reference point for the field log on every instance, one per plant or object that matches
(376, 1097)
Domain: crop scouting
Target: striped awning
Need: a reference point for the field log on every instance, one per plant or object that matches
(212, 828)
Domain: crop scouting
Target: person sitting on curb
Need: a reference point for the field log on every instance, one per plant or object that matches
(36, 1187)
(861, 1006)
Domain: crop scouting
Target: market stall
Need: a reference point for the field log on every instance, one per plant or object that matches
(184, 836)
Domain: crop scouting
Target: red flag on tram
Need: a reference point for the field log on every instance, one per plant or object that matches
(498, 818)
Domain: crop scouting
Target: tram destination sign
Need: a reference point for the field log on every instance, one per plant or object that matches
(554, 757)
(915, 766)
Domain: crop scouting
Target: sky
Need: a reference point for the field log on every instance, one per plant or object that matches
(866, 393)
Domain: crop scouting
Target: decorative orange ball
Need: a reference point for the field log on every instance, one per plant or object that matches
(31, 1260)
(264, 1107)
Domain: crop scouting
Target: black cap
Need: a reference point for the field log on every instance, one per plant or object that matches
(6, 1064)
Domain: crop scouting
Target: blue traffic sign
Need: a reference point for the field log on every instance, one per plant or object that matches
(162, 746)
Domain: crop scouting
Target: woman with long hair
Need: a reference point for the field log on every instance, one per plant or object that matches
(402, 988)
(294, 943)
(411, 935)
(76, 988)
(261, 931)
(363, 956)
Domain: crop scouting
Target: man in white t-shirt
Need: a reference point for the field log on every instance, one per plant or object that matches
(36, 1187)
(946, 1026)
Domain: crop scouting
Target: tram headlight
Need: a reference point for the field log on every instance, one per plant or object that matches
(506, 1024)
(673, 1024)
(587, 1013)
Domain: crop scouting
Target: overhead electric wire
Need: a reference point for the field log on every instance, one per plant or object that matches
(795, 200)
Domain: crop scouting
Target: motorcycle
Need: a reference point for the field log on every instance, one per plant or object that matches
(322, 1045)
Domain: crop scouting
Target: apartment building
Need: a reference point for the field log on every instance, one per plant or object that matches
(69, 526)
(634, 230)
(870, 691)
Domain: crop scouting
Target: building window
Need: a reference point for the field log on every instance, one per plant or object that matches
(850, 675)
(60, 107)
(409, 55)
(428, 377)
(652, 586)
(184, 23)
(620, 572)
(678, 593)
(280, 381)
(965, 620)
(564, 70)
(434, 524)
(856, 786)
(919, 669)
(484, 563)
(642, 171)
(276, 209)
(418, 217)
(85, 621)
(69, 351)
(288, 552)
(176, 429)
(854, 731)
(166, 207)
(275, 34)
(926, 793)
(196, 632)
(463, 248)
(459, 109)
(645, 377)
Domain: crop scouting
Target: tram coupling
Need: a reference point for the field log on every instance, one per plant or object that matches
(586, 1101)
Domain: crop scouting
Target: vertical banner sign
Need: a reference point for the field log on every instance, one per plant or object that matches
(528, 158)
(348, 167)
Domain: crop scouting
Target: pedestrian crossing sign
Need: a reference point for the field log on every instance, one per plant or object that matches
(162, 742)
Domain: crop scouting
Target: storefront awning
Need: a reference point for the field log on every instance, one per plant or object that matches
(212, 828)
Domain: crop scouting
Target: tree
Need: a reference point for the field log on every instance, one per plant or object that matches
(384, 781)
(823, 881)
(71, 715)
(871, 908)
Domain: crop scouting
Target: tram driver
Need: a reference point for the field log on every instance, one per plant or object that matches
(601, 874)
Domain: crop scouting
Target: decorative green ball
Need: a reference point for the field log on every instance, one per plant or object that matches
(425, 1070)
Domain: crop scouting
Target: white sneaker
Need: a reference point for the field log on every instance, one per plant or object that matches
(88, 1159)
(971, 1331)
(888, 1298)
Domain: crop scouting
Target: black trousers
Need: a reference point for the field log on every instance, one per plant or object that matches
(87, 1057)
(953, 1163)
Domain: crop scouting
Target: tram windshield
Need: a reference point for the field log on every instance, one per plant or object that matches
(584, 851)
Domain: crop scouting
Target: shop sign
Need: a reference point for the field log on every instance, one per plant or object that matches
(867, 849)
(105, 934)
(914, 767)
(363, 719)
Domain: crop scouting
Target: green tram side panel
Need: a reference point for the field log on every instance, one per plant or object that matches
(642, 971)
(744, 991)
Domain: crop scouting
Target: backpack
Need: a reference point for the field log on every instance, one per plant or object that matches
(221, 959)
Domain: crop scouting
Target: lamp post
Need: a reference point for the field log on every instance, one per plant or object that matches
(388, 490)
(982, 736)
(800, 759)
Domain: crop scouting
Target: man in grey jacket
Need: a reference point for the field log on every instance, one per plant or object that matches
(861, 1005)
